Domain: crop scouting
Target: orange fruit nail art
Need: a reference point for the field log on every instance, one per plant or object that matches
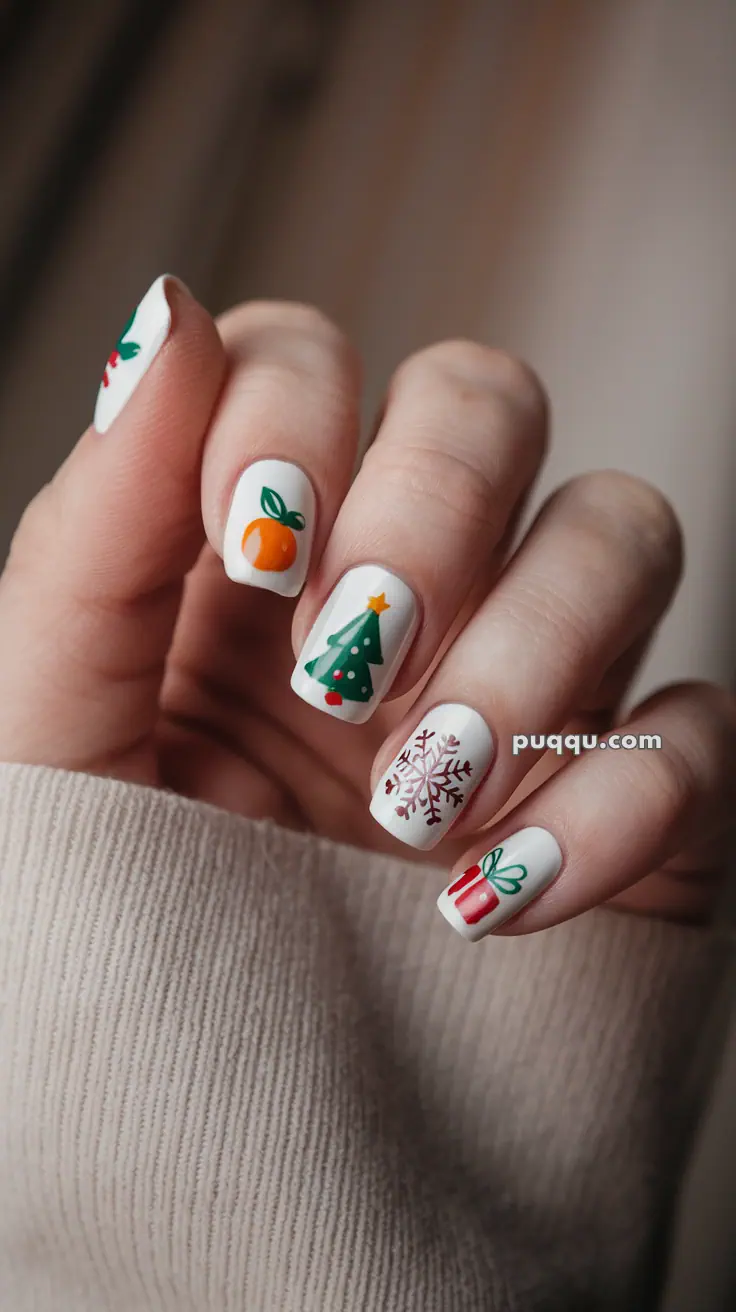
(269, 543)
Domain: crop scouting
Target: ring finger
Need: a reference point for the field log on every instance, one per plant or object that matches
(595, 573)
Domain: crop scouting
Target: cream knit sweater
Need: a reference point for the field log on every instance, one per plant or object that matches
(243, 1068)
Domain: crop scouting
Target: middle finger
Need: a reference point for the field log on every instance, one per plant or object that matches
(461, 439)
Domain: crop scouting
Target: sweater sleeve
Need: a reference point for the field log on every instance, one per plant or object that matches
(244, 1068)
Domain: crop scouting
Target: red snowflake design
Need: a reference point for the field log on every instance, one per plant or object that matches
(428, 774)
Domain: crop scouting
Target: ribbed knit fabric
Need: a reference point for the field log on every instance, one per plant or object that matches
(242, 1068)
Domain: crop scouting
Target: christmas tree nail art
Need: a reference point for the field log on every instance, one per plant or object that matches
(501, 883)
(345, 670)
(269, 529)
(433, 777)
(357, 644)
(134, 351)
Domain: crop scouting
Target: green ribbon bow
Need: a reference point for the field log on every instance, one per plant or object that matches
(502, 879)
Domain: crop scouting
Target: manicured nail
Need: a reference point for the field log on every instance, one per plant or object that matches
(435, 774)
(506, 878)
(137, 346)
(270, 526)
(357, 644)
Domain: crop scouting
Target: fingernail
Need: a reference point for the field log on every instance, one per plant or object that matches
(270, 526)
(503, 881)
(357, 644)
(137, 346)
(431, 780)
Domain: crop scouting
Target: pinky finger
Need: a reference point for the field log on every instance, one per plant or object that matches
(606, 822)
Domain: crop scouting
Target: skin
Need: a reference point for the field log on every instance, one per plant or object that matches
(130, 654)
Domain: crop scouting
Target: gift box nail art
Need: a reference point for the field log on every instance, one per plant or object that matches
(503, 881)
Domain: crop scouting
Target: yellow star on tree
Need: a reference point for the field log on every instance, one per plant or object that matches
(378, 604)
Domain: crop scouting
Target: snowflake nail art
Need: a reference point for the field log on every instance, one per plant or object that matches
(433, 777)
(427, 774)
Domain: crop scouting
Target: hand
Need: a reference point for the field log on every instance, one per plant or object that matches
(127, 651)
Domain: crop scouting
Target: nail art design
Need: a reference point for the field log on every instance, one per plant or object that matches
(345, 670)
(124, 349)
(270, 526)
(357, 644)
(506, 878)
(138, 344)
(427, 774)
(434, 775)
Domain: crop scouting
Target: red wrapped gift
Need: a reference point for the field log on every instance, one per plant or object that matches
(475, 893)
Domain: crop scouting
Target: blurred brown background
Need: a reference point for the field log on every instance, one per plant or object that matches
(552, 176)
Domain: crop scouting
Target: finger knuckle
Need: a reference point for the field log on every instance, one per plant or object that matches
(618, 504)
(441, 485)
(475, 365)
(482, 405)
(38, 525)
(673, 779)
(704, 716)
(309, 319)
(296, 329)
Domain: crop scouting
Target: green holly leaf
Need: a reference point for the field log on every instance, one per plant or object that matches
(273, 505)
(129, 324)
(120, 343)
(127, 350)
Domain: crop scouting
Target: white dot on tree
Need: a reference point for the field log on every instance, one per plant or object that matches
(353, 651)
(364, 690)
(351, 674)
(366, 642)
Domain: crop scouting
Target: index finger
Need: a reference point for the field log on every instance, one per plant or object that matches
(281, 448)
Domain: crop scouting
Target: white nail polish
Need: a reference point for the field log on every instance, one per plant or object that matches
(505, 879)
(431, 780)
(270, 526)
(137, 346)
(357, 643)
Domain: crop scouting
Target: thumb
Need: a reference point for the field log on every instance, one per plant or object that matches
(91, 589)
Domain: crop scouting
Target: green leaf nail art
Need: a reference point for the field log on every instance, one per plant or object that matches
(501, 878)
(274, 506)
(126, 350)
